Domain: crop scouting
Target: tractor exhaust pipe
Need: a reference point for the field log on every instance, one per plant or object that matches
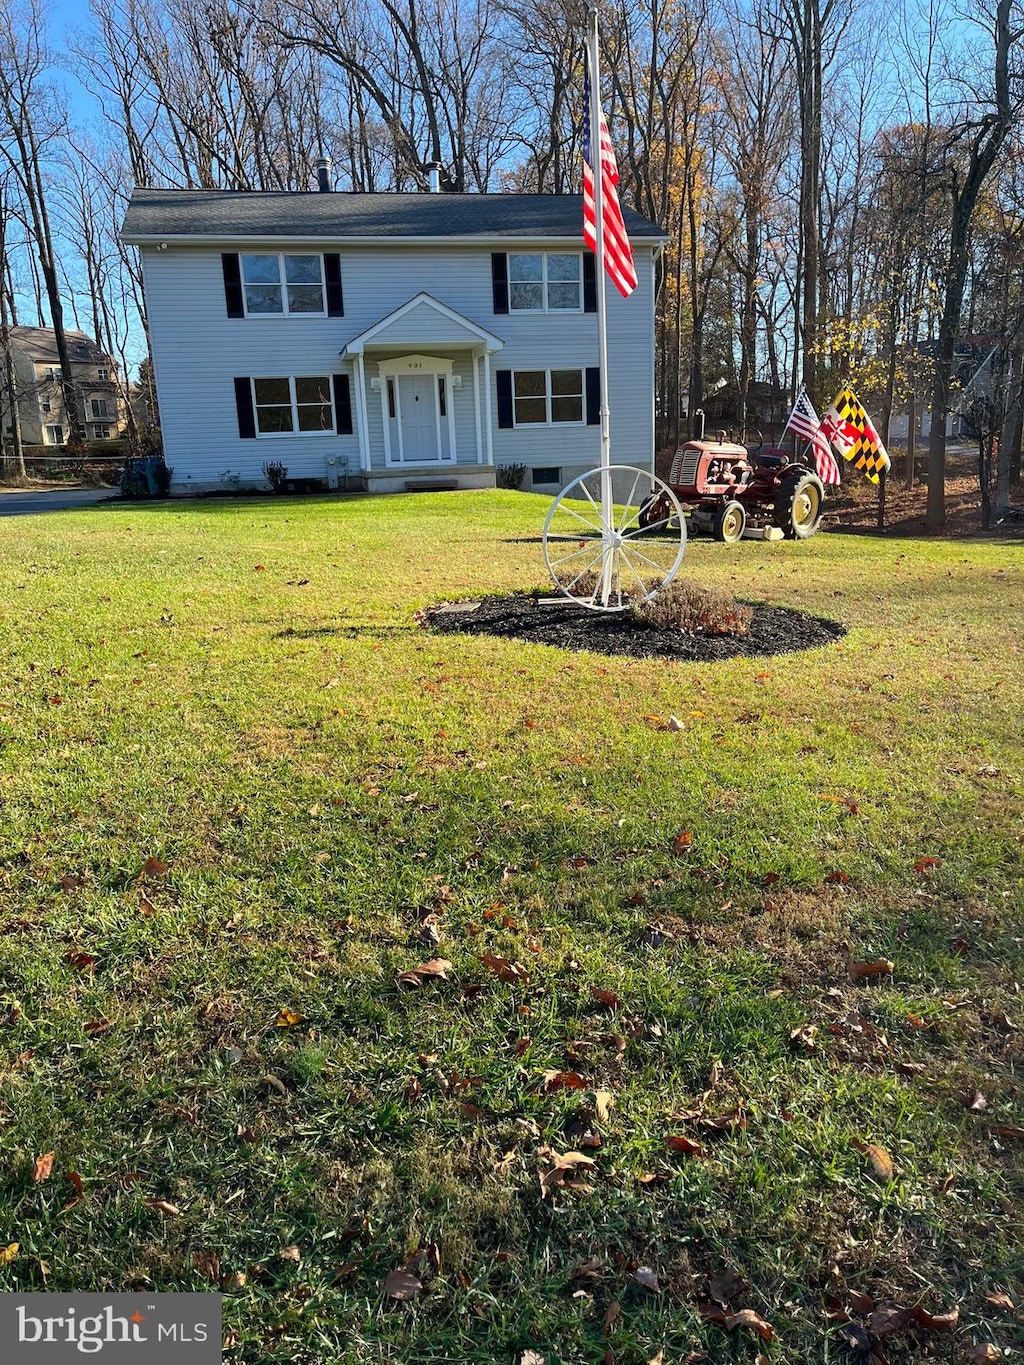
(698, 424)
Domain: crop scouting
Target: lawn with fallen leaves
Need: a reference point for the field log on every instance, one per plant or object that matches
(452, 999)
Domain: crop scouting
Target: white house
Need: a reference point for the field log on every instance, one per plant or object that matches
(387, 341)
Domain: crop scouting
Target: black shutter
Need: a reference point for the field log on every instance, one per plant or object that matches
(342, 405)
(499, 281)
(233, 285)
(332, 279)
(503, 378)
(593, 396)
(243, 402)
(589, 283)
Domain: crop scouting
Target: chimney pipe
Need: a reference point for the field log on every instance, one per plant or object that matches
(433, 169)
(323, 175)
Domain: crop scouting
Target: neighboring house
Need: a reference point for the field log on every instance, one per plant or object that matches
(387, 340)
(40, 397)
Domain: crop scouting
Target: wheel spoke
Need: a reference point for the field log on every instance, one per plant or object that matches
(645, 591)
(660, 568)
(640, 530)
(573, 513)
(629, 503)
(584, 549)
(584, 571)
(597, 509)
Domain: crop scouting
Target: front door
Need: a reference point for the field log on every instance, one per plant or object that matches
(417, 398)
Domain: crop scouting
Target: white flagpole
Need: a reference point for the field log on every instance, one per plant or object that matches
(594, 114)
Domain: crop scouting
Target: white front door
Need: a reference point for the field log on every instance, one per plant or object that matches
(417, 401)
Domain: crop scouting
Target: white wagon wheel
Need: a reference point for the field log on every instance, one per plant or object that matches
(614, 560)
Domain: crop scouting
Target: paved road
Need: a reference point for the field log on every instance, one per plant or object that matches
(32, 501)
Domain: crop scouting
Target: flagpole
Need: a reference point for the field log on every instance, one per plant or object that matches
(596, 161)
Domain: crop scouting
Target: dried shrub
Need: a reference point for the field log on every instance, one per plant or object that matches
(691, 607)
(510, 476)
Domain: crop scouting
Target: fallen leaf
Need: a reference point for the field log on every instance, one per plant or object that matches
(679, 1143)
(998, 1299)
(1009, 1130)
(79, 1184)
(153, 867)
(805, 1037)
(604, 1102)
(8, 1253)
(531, 1358)
(614, 1309)
(924, 865)
(746, 1317)
(402, 1286)
(562, 1080)
(860, 1303)
(726, 1286)
(878, 1156)
(973, 1099)
(682, 841)
(605, 997)
(983, 1353)
(207, 1263)
(236, 1279)
(79, 960)
(837, 879)
(42, 1166)
(69, 884)
(938, 1322)
(885, 1321)
(881, 966)
(506, 970)
(564, 1167)
(286, 1018)
(645, 1276)
(163, 1206)
(290, 1253)
(426, 971)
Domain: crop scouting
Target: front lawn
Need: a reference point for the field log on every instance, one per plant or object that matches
(242, 791)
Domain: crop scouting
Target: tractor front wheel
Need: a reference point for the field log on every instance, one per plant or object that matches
(730, 521)
(798, 505)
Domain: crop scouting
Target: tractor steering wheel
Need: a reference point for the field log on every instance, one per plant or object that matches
(752, 446)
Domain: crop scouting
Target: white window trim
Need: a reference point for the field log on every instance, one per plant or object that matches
(544, 282)
(97, 433)
(49, 429)
(94, 416)
(295, 433)
(282, 284)
(532, 426)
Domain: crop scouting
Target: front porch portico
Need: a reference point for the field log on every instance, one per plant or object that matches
(422, 389)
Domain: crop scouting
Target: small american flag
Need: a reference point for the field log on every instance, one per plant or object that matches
(806, 423)
(618, 254)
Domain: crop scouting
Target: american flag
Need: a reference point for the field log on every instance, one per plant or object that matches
(806, 423)
(618, 254)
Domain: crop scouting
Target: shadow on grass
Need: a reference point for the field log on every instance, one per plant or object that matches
(229, 503)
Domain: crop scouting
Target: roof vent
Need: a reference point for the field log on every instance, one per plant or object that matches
(323, 175)
(433, 170)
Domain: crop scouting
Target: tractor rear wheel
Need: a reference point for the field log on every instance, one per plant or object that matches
(798, 505)
(730, 520)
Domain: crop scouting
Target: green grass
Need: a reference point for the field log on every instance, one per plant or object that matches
(318, 774)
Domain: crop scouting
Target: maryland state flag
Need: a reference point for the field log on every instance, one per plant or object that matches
(849, 428)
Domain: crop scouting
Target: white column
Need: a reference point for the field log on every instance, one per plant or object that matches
(476, 408)
(450, 404)
(487, 407)
(364, 433)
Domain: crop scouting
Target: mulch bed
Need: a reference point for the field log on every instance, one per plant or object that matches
(521, 616)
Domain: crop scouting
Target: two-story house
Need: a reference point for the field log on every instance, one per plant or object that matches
(40, 397)
(385, 341)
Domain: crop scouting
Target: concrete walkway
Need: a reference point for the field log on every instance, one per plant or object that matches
(31, 501)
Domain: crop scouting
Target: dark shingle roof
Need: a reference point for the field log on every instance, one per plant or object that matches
(243, 213)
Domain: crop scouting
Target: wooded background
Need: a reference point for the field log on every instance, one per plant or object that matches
(840, 180)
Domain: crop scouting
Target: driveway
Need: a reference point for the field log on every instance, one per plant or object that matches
(31, 501)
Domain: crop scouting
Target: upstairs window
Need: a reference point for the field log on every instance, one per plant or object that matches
(102, 376)
(98, 408)
(289, 405)
(283, 284)
(545, 282)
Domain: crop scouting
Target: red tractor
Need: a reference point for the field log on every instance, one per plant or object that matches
(731, 490)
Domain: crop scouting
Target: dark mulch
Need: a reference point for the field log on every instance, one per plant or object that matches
(520, 616)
